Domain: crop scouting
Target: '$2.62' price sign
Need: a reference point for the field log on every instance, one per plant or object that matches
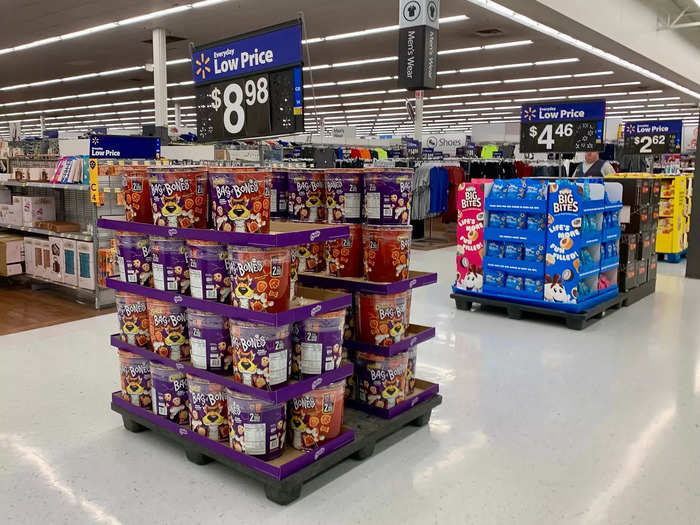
(236, 97)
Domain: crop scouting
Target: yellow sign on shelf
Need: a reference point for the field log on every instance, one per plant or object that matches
(94, 181)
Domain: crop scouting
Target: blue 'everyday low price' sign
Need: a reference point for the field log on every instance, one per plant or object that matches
(124, 147)
(250, 85)
(653, 138)
(562, 127)
(247, 54)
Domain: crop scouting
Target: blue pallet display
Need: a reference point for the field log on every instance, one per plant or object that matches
(609, 263)
(564, 242)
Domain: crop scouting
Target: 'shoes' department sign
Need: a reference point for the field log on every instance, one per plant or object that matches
(250, 85)
(564, 127)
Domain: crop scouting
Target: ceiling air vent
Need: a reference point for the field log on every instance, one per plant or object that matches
(490, 32)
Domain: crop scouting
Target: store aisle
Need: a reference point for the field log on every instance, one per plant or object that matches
(539, 424)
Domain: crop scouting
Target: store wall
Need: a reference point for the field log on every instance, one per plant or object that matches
(633, 24)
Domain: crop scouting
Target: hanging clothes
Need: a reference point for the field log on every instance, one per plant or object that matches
(456, 177)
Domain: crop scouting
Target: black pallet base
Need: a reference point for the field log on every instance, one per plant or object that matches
(637, 294)
(368, 431)
(574, 320)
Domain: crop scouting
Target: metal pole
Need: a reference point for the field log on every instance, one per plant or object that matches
(692, 267)
(160, 83)
(418, 133)
(42, 125)
(178, 117)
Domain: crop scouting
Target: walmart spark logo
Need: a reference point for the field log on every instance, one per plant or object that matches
(630, 129)
(529, 113)
(202, 66)
(95, 141)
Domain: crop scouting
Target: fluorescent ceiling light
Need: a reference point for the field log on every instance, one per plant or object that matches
(648, 92)
(360, 81)
(556, 61)
(489, 68)
(594, 74)
(542, 28)
(361, 94)
(616, 84)
(179, 60)
(154, 14)
(89, 31)
(535, 79)
(375, 30)
(566, 88)
(594, 95)
(512, 92)
(536, 99)
(467, 84)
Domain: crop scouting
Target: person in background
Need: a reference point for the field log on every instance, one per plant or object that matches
(592, 166)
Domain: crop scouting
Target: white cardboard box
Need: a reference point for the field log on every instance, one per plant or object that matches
(70, 264)
(11, 214)
(38, 209)
(44, 269)
(86, 265)
(5, 196)
(56, 248)
(29, 264)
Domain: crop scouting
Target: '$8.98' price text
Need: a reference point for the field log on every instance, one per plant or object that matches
(546, 136)
(234, 97)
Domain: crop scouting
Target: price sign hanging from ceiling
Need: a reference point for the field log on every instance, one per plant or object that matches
(653, 138)
(562, 127)
(250, 85)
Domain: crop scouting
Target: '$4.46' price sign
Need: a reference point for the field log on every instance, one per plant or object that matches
(544, 134)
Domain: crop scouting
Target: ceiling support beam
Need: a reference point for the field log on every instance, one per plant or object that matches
(160, 82)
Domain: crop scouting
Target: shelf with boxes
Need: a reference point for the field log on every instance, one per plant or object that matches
(217, 312)
(59, 238)
(546, 243)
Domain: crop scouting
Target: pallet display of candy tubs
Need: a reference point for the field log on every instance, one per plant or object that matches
(323, 432)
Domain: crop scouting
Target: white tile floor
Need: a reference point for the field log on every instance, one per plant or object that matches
(540, 425)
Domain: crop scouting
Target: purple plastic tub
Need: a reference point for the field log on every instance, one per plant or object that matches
(134, 258)
(257, 427)
(170, 393)
(209, 340)
(209, 278)
(343, 195)
(261, 354)
(388, 196)
(170, 269)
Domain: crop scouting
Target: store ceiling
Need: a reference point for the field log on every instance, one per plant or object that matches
(492, 71)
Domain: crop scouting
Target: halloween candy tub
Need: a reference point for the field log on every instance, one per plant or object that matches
(382, 319)
(169, 393)
(257, 428)
(387, 252)
(134, 258)
(412, 354)
(387, 196)
(261, 354)
(178, 197)
(344, 256)
(307, 196)
(319, 345)
(210, 343)
(381, 381)
(137, 195)
(171, 271)
(168, 326)
(343, 195)
(209, 278)
(316, 416)
(207, 407)
(240, 199)
(132, 312)
(279, 198)
(260, 278)
(311, 257)
(135, 372)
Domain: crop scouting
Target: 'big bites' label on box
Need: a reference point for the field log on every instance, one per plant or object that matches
(563, 233)
(470, 236)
